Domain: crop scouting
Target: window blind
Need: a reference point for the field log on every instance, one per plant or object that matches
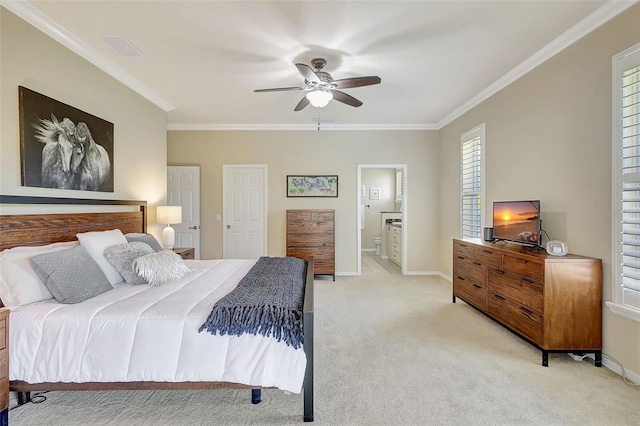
(629, 254)
(471, 181)
(398, 185)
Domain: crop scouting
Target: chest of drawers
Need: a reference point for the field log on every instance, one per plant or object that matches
(311, 233)
(553, 302)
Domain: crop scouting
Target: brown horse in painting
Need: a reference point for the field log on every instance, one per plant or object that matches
(58, 138)
(93, 170)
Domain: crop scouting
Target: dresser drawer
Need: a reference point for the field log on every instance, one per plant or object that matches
(310, 227)
(470, 292)
(309, 215)
(523, 290)
(488, 256)
(318, 253)
(463, 249)
(310, 240)
(517, 317)
(4, 394)
(3, 333)
(523, 266)
(470, 268)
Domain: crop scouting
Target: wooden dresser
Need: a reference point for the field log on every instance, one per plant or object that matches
(553, 302)
(4, 366)
(311, 233)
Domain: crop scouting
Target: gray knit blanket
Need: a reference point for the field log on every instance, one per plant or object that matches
(268, 300)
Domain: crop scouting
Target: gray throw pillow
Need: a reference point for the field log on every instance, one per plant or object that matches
(144, 238)
(71, 275)
(121, 257)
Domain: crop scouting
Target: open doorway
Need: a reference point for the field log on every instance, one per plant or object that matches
(381, 196)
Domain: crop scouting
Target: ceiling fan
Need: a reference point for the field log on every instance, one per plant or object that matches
(321, 87)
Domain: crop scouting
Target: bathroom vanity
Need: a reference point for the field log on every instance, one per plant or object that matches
(393, 239)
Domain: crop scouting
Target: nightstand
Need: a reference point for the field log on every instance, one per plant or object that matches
(186, 252)
(4, 367)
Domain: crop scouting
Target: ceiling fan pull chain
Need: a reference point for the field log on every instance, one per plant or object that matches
(318, 119)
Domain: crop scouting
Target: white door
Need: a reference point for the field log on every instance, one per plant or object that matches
(245, 211)
(183, 189)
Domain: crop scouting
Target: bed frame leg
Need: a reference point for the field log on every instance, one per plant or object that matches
(24, 397)
(256, 396)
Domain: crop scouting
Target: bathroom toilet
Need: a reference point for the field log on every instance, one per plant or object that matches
(377, 241)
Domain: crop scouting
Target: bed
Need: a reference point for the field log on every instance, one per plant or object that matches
(56, 346)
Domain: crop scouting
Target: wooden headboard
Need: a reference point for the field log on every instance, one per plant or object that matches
(47, 228)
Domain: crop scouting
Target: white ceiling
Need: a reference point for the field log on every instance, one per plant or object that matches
(203, 59)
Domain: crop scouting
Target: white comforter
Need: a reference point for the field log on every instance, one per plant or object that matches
(144, 333)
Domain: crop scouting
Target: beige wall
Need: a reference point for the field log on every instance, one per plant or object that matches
(33, 60)
(548, 137)
(313, 152)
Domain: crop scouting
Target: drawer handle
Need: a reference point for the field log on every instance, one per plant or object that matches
(526, 280)
(521, 261)
(477, 286)
(499, 272)
(527, 312)
(487, 251)
(477, 263)
(461, 257)
(461, 278)
(500, 298)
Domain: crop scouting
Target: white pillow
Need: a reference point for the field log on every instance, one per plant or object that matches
(96, 242)
(19, 283)
(161, 267)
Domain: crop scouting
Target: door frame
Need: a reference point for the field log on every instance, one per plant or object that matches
(265, 186)
(405, 200)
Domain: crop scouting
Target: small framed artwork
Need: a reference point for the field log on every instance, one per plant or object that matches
(362, 191)
(374, 193)
(63, 147)
(312, 185)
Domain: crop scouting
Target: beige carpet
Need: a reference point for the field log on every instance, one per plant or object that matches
(390, 350)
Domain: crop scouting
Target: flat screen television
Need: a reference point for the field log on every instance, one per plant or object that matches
(517, 221)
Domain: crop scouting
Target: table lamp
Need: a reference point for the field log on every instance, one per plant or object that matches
(168, 215)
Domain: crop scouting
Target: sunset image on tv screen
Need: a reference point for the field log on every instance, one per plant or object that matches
(516, 220)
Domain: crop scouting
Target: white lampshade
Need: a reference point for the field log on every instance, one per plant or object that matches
(169, 214)
(319, 98)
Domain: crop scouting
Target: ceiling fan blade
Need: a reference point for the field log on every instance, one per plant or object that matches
(279, 89)
(303, 103)
(308, 73)
(346, 83)
(346, 99)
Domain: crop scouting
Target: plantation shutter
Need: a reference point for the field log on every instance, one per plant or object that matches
(398, 185)
(471, 180)
(629, 207)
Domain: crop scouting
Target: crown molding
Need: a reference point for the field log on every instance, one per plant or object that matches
(314, 126)
(42, 22)
(598, 17)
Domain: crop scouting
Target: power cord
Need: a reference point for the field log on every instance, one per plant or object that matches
(581, 356)
(545, 233)
(624, 379)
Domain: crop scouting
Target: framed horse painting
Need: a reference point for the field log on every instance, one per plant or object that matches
(62, 146)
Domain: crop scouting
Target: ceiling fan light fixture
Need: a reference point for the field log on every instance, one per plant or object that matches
(319, 98)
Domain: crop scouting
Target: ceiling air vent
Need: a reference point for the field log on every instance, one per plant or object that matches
(123, 46)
